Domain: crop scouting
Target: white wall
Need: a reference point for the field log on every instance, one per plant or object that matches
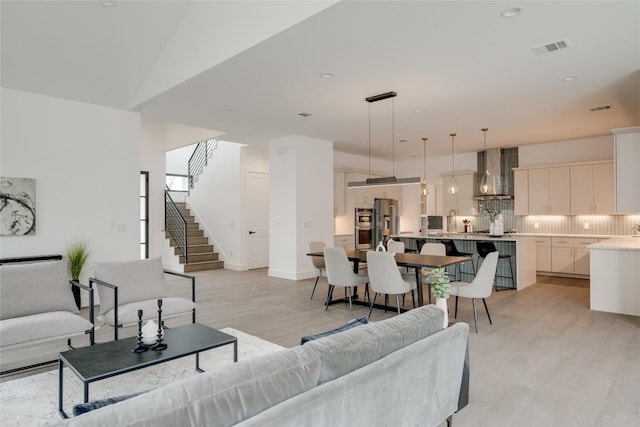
(178, 160)
(571, 151)
(301, 202)
(85, 159)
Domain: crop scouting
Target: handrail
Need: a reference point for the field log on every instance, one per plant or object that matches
(199, 159)
(175, 224)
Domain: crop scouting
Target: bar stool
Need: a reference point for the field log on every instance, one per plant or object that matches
(452, 250)
(485, 248)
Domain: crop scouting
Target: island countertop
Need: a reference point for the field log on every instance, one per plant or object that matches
(510, 237)
(624, 243)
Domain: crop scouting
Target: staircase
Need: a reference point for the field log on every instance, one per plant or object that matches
(201, 254)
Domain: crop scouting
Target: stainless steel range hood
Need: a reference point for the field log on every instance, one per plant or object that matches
(499, 162)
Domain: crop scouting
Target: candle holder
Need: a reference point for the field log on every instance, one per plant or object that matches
(140, 346)
(159, 345)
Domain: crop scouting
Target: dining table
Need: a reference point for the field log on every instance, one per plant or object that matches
(409, 260)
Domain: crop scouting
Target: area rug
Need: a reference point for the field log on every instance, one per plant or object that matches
(33, 400)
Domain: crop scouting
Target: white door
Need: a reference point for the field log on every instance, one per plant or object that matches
(257, 203)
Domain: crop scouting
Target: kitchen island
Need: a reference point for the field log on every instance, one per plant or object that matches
(615, 275)
(521, 248)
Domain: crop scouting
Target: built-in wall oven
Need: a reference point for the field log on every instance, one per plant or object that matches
(364, 228)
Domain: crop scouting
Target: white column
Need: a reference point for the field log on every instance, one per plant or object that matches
(301, 203)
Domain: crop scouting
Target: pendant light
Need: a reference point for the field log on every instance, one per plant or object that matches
(453, 186)
(389, 180)
(425, 190)
(484, 183)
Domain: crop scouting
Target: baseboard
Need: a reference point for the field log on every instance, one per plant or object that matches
(235, 267)
(291, 275)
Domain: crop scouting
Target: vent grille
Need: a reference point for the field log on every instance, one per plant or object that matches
(304, 114)
(543, 49)
(601, 108)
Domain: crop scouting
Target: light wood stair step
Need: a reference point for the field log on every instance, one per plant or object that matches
(204, 265)
(208, 256)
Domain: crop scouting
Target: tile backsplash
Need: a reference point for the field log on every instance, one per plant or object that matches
(552, 224)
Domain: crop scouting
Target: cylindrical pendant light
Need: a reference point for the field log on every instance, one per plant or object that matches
(453, 186)
(484, 183)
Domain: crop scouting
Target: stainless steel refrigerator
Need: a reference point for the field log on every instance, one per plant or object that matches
(386, 220)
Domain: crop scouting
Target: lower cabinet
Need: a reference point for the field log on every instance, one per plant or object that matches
(344, 241)
(543, 253)
(569, 255)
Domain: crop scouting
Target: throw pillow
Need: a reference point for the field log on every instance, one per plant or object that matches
(352, 324)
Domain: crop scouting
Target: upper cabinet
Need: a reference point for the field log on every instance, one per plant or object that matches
(549, 190)
(462, 202)
(521, 192)
(339, 190)
(627, 172)
(577, 189)
(592, 189)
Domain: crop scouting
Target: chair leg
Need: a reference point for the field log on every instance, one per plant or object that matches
(398, 302)
(513, 280)
(375, 295)
(484, 301)
(455, 314)
(413, 298)
(314, 287)
(329, 296)
(386, 302)
(475, 313)
(349, 293)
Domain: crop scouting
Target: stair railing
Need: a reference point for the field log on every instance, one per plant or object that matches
(199, 159)
(175, 224)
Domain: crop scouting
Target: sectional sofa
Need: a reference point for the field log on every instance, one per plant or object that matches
(404, 371)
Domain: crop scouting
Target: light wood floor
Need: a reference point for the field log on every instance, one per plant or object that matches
(547, 360)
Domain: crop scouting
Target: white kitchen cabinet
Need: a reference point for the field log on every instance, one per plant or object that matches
(362, 197)
(521, 192)
(339, 193)
(627, 172)
(570, 255)
(344, 241)
(462, 202)
(543, 253)
(549, 191)
(592, 189)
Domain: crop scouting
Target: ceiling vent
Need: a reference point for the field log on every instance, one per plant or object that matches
(304, 114)
(543, 49)
(601, 108)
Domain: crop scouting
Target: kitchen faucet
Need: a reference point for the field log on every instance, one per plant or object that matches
(452, 214)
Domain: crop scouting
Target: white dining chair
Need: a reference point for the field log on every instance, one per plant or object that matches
(480, 287)
(340, 273)
(385, 278)
(395, 247)
(318, 263)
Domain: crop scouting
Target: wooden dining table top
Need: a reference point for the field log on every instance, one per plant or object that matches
(405, 259)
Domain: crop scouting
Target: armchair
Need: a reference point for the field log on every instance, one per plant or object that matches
(126, 287)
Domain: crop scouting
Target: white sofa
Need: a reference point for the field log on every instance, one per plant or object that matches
(401, 371)
(37, 304)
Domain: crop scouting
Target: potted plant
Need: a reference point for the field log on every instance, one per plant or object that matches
(77, 254)
(636, 229)
(440, 288)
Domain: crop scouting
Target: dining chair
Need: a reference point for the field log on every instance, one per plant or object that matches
(395, 246)
(485, 247)
(385, 278)
(452, 250)
(480, 287)
(318, 263)
(340, 273)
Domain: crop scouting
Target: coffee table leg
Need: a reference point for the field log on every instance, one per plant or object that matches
(60, 382)
(86, 392)
(235, 351)
(198, 363)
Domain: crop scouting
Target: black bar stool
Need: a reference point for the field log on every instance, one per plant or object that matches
(452, 250)
(484, 248)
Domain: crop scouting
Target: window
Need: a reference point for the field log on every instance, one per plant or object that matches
(144, 215)
(178, 182)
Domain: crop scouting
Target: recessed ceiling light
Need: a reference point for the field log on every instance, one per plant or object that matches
(418, 111)
(108, 3)
(327, 75)
(226, 110)
(511, 12)
(569, 78)
(551, 110)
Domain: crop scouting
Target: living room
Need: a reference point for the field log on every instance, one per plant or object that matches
(86, 150)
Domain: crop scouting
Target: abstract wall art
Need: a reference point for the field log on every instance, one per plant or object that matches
(17, 206)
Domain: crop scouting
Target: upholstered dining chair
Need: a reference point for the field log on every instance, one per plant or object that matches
(431, 249)
(395, 246)
(318, 263)
(480, 287)
(385, 278)
(340, 273)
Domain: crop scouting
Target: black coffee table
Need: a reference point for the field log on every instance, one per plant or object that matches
(113, 358)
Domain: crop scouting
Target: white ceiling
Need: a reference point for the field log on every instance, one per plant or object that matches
(248, 68)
